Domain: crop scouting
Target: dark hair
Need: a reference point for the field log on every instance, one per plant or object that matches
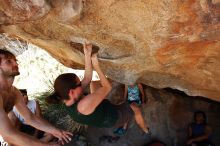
(23, 91)
(203, 114)
(5, 53)
(62, 86)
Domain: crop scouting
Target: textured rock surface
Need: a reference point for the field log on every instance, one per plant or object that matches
(161, 43)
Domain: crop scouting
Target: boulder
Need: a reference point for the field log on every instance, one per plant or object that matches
(160, 43)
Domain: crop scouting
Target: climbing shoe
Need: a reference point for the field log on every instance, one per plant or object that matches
(120, 131)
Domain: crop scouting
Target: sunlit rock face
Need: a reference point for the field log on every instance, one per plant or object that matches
(15, 11)
(160, 43)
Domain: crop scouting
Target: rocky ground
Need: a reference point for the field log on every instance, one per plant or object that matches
(105, 137)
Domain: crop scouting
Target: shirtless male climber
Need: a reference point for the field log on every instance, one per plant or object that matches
(10, 96)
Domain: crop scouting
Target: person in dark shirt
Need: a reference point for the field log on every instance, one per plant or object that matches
(199, 131)
(92, 109)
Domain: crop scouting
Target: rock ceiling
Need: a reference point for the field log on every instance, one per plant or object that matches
(160, 43)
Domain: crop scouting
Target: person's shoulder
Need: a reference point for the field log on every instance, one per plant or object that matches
(13, 88)
(16, 92)
(17, 95)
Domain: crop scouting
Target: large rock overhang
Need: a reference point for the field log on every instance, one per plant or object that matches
(160, 43)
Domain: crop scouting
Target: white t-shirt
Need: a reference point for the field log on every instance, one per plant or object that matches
(32, 105)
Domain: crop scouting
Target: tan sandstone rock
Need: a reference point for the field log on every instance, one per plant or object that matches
(160, 43)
